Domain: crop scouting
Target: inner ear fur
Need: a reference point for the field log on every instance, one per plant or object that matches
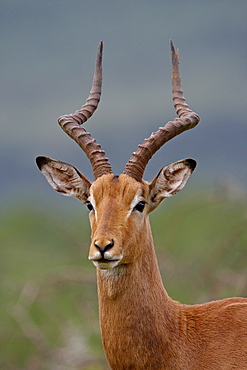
(64, 178)
(170, 180)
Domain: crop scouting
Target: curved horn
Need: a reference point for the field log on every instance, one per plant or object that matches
(187, 120)
(71, 123)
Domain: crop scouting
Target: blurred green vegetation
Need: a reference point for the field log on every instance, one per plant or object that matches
(48, 312)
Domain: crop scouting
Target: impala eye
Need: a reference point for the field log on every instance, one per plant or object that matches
(89, 205)
(140, 206)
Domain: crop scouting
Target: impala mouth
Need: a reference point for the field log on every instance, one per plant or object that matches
(105, 264)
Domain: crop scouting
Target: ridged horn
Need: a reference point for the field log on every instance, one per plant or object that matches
(187, 119)
(71, 123)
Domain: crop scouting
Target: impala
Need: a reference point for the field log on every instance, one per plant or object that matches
(141, 326)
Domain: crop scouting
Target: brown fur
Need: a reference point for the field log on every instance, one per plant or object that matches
(142, 327)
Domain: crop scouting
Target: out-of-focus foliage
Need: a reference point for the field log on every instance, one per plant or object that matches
(49, 314)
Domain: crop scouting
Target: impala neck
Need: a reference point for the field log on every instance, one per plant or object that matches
(142, 276)
(130, 301)
(136, 285)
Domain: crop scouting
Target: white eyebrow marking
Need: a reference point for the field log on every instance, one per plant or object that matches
(92, 201)
(134, 202)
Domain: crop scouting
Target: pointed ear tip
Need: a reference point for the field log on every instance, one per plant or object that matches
(191, 163)
(40, 161)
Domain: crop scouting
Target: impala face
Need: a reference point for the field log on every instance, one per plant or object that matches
(118, 208)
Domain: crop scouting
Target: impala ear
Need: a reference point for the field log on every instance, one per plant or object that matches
(64, 178)
(170, 180)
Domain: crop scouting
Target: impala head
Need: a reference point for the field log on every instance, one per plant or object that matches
(119, 205)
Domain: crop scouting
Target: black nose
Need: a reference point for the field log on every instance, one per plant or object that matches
(105, 248)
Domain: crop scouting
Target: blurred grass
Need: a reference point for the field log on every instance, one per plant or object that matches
(48, 312)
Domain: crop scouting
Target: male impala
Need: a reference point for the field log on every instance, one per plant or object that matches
(141, 326)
